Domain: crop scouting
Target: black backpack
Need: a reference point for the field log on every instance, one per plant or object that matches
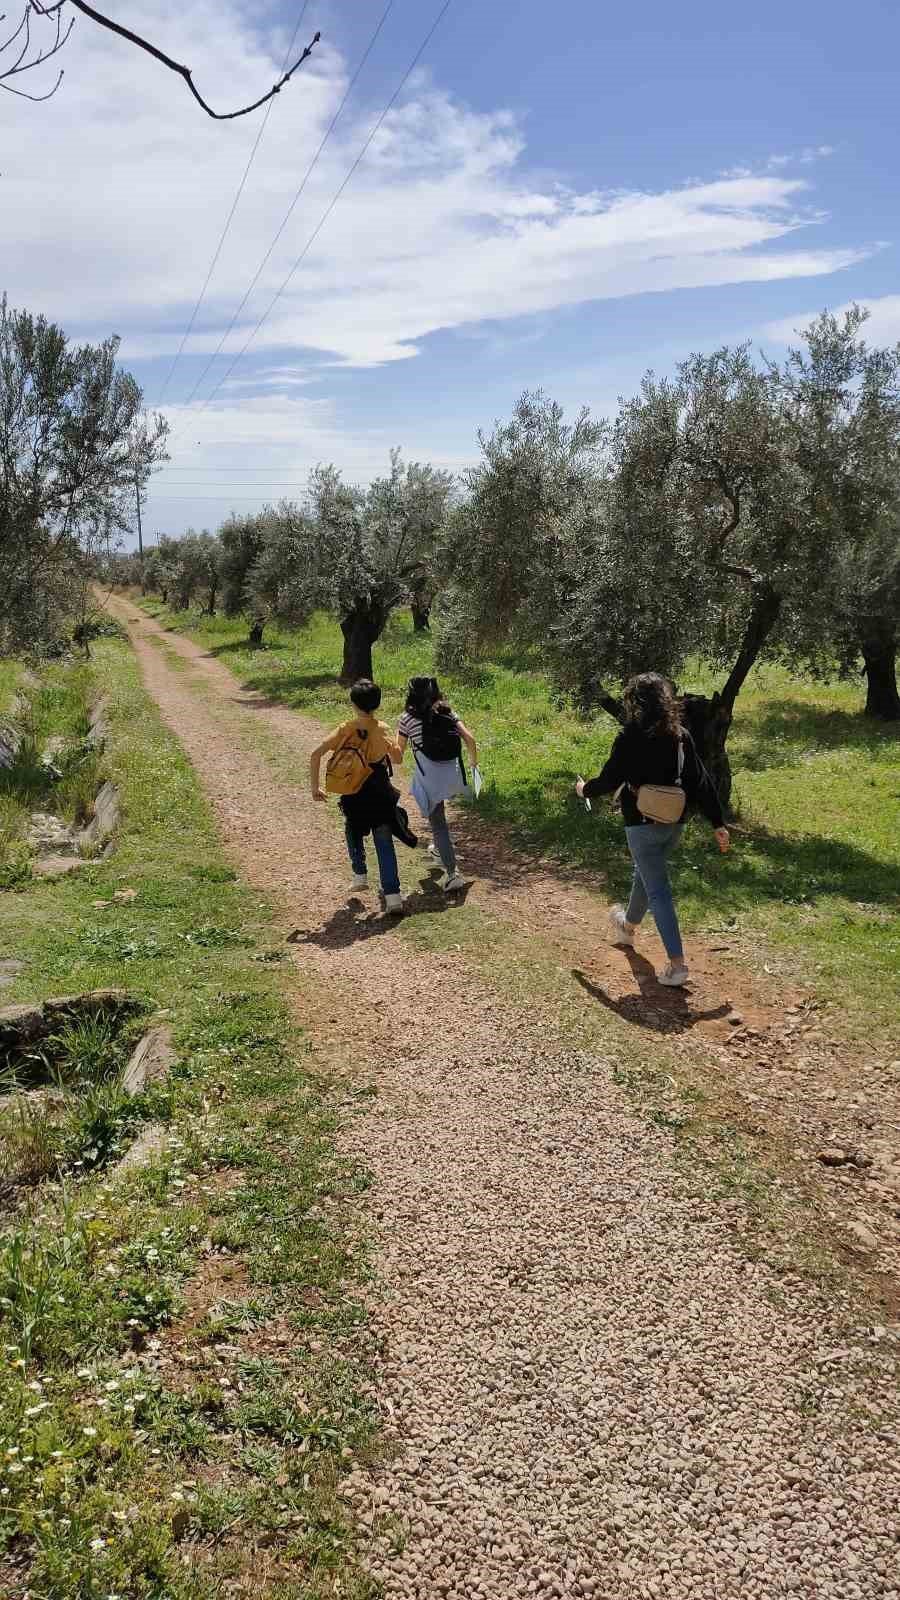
(440, 736)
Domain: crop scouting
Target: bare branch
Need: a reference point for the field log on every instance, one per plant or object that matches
(185, 72)
(14, 36)
(25, 62)
(37, 98)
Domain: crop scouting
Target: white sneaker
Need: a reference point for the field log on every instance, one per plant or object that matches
(360, 880)
(456, 882)
(618, 928)
(675, 975)
(393, 905)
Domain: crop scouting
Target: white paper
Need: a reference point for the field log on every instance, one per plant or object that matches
(477, 781)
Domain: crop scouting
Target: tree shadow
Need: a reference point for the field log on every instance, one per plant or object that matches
(763, 867)
(787, 732)
(659, 1009)
(345, 926)
(239, 647)
(291, 689)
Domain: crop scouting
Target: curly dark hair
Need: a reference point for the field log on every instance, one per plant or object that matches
(650, 704)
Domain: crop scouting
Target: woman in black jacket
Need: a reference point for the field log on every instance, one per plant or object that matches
(654, 748)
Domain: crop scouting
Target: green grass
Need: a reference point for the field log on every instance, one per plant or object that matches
(815, 873)
(123, 1470)
(58, 705)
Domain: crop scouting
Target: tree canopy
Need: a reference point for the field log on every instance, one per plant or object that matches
(738, 509)
(73, 445)
(355, 552)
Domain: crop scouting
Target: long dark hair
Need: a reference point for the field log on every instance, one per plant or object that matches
(650, 704)
(424, 695)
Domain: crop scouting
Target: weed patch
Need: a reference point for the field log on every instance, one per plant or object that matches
(174, 1339)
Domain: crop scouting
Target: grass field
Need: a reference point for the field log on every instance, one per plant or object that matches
(815, 873)
(154, 1442)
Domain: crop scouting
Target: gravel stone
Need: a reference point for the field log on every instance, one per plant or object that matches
(590, 1389)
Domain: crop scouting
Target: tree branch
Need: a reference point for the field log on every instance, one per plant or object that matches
(185, 72)
(21, 63)
(764, 613)
(613, 707)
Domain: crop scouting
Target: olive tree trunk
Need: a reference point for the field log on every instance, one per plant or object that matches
(360, 629)
(709, 718)
(879, 652)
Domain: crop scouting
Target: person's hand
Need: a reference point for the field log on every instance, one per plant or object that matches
(723, 840)
(319, 794)
(579, 788)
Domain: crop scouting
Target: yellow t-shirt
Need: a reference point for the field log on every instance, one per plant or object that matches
(381, 742)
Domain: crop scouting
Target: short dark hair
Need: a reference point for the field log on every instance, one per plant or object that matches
(365, 695)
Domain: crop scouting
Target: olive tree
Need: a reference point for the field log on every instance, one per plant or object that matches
(242, 540)
(844, 404)
(713, 519)
(73, 446)
(196, 559)
(355, 552)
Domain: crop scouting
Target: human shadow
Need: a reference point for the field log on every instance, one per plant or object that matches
(659, 1009)
(345, 926)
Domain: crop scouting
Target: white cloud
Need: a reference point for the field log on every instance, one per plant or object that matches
(119, 187)
(881, 328)
(245, 453)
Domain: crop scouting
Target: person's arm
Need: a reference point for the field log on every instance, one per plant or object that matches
(394, 747)
(468, 740)
(402, 742)
(612, 776)
(315, 763)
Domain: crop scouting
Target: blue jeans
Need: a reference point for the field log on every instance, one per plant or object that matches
(443, 843)
(384, 849)
(651, 844)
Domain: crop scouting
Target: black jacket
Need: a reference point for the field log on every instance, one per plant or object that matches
(376, 804)
(638, 757)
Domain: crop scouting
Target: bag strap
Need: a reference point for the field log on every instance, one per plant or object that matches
(680, 763)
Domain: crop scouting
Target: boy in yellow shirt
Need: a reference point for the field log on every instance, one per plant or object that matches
(371, 809)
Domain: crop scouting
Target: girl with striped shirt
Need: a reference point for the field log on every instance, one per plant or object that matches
(435, 782)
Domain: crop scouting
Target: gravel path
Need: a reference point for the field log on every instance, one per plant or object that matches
(592, 1391)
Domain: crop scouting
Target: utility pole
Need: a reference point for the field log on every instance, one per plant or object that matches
(137, 498)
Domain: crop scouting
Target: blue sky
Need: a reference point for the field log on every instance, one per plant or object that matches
(561, 197)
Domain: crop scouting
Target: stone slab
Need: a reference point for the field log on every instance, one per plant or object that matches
(151, 1060)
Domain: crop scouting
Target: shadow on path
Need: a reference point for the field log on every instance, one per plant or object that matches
(346, 926)
(661, 1010)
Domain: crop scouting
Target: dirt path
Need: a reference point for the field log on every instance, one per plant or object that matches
(592, 1390)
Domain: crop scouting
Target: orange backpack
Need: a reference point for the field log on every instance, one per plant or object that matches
(348, 766)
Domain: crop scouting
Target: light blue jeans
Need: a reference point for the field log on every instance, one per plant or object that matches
(384, 849)
(651, 844)
(443, 843)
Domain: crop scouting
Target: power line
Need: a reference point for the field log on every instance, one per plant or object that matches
(250, 484)
(229, 497)
(290, 210)
(332, 203)
(228, 220)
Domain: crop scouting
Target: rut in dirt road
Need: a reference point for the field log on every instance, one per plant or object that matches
(592, 1391)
